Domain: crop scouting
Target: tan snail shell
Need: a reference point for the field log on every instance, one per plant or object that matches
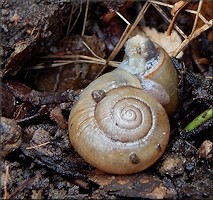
(154, 69)
(116, 126)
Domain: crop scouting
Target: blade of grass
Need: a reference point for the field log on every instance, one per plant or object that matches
(200, 119)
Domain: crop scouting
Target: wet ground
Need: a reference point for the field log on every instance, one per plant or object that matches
(38, 160)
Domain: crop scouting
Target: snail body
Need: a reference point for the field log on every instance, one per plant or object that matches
(117, 126)
(154, 69)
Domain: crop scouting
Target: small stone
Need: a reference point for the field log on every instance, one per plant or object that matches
(11, 136)
(189, 166)
(205, 150)
(172, 166)
(5, 12)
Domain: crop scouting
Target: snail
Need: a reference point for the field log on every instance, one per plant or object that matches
(120, 123)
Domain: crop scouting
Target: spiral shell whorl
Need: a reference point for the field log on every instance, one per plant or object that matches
(122, 131)
(123, 115)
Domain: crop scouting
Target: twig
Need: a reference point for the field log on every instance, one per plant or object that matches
(23, 185)
(171, 25)
(196, 17)
(118, 45)
(161, 3)
(27, 118)
(76, 57)
(70, 18)
(114, 63)
(110, 15)
(132, 27)
(178, 6)
(123, 18)
(191, 145)
(169, 20)
(186, 10)
(125, 35)
(175, 11)
(85, 17)
(194, 35)
(36, 146)
(59, 63)
(6, 194)
(81, 183)
(114, 52)
(91, 51)
(209, 77)
(70, 29)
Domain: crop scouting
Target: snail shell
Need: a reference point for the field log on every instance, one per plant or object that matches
(122, 133)
(117, 126)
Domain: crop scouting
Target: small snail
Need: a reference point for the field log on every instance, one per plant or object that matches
(120, 123)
